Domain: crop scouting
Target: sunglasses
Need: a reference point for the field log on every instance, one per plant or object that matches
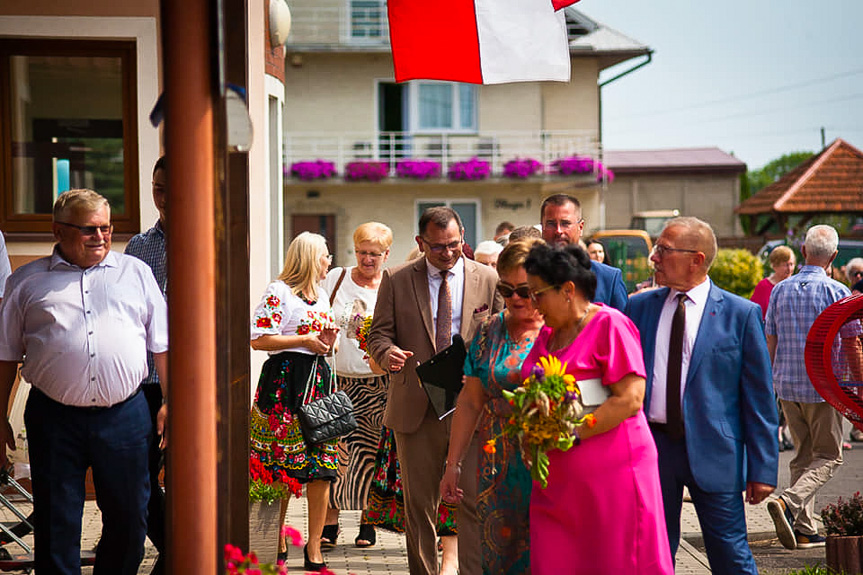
(506, 290)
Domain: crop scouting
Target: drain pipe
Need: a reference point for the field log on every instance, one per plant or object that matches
(604, 187)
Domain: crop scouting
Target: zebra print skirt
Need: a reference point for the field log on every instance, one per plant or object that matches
(358, 448)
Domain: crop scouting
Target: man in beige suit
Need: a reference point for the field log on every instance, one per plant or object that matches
(440, 289)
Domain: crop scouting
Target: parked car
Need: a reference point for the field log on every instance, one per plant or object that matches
(628, 250)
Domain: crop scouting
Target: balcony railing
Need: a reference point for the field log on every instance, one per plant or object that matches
(497, 148)
(354, 24)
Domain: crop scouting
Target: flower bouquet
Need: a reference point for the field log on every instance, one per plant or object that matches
(364, 326)
(546, 411)
(266, 486)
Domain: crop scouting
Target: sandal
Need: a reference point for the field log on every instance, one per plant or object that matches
(329, 534)
(367, 533)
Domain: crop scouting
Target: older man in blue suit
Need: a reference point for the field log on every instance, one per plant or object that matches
(709, 394)
(562, 224)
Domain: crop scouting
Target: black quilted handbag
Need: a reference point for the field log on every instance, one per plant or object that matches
(327, 418)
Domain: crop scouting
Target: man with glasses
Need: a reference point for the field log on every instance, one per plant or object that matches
(84, 317)
(421, 305)
(150, 247)
(562, 224)
(709, 395)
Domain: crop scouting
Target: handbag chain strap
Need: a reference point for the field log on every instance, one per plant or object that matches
(307, 394)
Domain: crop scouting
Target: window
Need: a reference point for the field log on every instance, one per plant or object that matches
(369, 20)
(444, 106)
(67, 120)
(468, 211)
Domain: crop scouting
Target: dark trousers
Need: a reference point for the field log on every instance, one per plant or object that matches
(721, 515)
(63, 443)
(156, 507)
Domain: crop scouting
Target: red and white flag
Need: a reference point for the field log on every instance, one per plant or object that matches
(479, 41)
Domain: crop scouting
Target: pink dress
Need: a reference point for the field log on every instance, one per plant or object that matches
(602, 510)
(761, 295)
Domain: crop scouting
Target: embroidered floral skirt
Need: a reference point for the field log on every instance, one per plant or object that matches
(386, 507)
(276, 439)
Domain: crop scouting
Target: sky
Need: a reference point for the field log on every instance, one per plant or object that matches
(756, 78)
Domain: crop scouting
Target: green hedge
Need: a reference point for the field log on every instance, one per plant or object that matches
(737, 271)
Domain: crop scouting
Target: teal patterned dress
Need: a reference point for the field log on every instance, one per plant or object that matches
(504, 485)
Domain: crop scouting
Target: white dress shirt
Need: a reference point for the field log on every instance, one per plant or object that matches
(455, 278)
(695, 302)
(83, 334)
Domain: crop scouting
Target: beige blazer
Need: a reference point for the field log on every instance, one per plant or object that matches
(403, 319)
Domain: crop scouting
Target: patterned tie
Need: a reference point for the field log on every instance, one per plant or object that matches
(675, 365)
(443, 321)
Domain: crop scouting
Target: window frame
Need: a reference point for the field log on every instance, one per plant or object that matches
(26, 224)
(414, 108)
(383, 23)
(447, 202)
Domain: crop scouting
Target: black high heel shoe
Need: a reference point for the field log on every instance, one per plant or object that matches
(309, 565)
(329, 534)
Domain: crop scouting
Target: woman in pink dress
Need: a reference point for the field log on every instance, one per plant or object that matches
(602, 510)
(782, 261)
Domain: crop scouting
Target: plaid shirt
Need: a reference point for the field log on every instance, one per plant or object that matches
(795, 303)
(150, 248)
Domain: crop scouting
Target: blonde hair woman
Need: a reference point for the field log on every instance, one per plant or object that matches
(294, 324)
(782, 261)
(353, 293)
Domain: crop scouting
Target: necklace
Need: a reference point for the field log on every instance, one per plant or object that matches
(557, 345)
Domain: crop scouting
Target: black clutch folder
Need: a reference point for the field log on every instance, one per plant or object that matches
(441, 376)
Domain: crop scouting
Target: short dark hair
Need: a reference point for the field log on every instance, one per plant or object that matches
(440, 216)
(558, 200)
(504, 227)
(558, 265)
(161, 164)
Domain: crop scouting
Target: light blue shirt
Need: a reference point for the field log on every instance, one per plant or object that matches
(83, 334)
(5, 268)
(795, 303)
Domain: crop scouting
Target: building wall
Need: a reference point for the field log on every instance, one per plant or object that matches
(336, 92)
(709, 197)
(394, 204)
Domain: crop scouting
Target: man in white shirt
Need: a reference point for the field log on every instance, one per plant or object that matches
(84, 317)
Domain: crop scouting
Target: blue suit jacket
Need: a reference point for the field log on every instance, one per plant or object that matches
(729, 411)
(610, 288)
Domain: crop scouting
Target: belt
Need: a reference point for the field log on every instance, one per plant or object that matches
(90, 408)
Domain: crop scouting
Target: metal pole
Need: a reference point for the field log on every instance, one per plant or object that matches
(189, 143)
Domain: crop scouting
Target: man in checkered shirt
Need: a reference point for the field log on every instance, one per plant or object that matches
(815, 425)
(150, 247)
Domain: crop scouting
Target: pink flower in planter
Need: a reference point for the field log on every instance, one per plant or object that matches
(473, 169)
(522, 168)
(317, 170)
(418, 169)
(581, 165)
(371, 171)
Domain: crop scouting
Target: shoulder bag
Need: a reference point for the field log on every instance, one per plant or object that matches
(327, 418)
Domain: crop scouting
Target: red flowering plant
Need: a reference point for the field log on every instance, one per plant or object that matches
(575, 165)
(844, 518)
(239, 563)
(317, 170)
(418, 169)
(267, 486)
(547, 409)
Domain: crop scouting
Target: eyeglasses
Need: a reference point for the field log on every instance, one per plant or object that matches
(507, 290)
(562, 224)
(90, 230)
(660, 251)
(374, 255)
(438, 248)
(534, 294)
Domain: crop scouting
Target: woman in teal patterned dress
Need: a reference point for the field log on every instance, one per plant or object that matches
(493, 364)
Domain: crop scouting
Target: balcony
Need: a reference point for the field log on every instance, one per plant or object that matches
(346, 25)
(497, 148)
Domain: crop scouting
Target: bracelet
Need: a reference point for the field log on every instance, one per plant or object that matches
(457, 464)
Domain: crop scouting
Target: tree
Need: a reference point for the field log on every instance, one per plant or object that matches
(754, 181)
